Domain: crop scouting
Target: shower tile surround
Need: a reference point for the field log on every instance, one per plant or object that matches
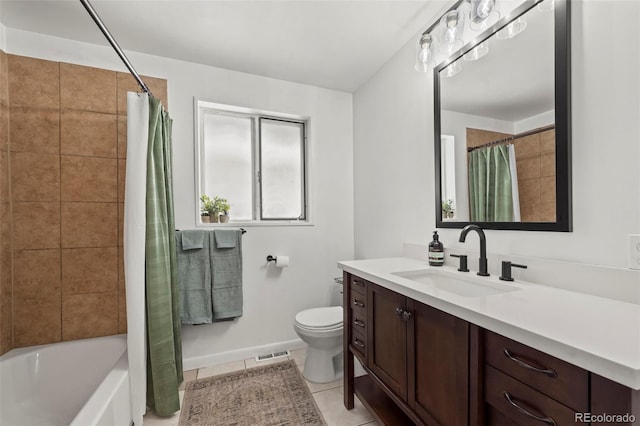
(62, 164)
(6, 230)
(535, 161)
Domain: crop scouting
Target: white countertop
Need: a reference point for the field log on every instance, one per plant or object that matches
(598, 334)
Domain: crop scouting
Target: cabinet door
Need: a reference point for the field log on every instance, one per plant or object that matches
(438, 366)
(387, 338)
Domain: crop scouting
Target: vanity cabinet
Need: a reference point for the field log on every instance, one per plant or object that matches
(417, 356)
(428, 367)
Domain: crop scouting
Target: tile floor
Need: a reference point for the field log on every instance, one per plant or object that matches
(328, 396)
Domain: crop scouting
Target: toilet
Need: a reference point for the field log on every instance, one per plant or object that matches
(321, 329)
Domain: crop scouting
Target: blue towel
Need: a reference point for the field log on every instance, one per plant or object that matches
(193, 239)
(226, 238)
(226, 272)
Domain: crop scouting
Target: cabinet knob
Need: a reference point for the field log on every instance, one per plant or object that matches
(406, 315)
(403, 314)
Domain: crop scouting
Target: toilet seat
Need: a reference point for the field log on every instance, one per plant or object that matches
(320, 319)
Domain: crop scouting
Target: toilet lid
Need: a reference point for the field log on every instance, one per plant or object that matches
(320, 317)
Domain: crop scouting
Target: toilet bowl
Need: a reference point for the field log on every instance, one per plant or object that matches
(321, 329)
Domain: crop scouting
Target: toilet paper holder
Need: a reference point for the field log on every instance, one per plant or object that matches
(271, 258)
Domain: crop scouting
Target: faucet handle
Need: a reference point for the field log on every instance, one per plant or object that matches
(463, 262)
(506, 270)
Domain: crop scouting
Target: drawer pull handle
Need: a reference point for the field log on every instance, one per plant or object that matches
(358, 343)
(548, 371)
(356, 302)
(548, 420)
(358, 323)
(359, 283)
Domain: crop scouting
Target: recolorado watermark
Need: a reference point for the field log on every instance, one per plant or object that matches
(604, 418)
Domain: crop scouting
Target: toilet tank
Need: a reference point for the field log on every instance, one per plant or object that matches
(336, 292)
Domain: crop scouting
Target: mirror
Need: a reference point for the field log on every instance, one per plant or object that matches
(502, 125)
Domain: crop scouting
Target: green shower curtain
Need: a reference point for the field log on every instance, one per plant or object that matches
(490, 190)
(164, 344)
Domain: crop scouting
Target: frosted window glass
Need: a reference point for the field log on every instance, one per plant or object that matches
(227, 165)
(282, 155)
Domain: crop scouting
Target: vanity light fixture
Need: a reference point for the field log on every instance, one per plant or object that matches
(514, 28)
(477, 52)
(451, 28)
(453, 69)
(546, 5)
(424, 57)
(483, 13)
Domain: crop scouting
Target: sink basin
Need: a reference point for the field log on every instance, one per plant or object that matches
(462, 286)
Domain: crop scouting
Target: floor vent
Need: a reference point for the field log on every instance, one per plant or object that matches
(266, 357)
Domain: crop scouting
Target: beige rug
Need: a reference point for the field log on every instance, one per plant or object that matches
(275, 394)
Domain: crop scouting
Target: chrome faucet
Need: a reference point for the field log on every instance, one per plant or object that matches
(483, 246)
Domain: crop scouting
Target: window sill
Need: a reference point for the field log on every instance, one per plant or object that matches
(265, 224)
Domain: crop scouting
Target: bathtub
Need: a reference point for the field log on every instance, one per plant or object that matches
(80, 383)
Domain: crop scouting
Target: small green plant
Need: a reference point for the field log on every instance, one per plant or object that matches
(214, 206)
(208, 205)
(447, 206)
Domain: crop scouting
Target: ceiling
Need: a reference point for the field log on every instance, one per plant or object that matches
(327, 43)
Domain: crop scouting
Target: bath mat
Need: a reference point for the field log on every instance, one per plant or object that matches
(271, 395)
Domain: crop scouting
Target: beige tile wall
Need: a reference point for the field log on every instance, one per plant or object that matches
(67, 156)
(6, 287)
(535, 161)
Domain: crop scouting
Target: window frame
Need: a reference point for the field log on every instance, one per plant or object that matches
(202, 107)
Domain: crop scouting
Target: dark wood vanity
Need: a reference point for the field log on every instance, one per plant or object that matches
(427, 367)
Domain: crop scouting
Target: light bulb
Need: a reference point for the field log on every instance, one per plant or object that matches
(477, 52)
(452, 25)
(424, 56)
(512, 29)
(546, 5)
(453, 69)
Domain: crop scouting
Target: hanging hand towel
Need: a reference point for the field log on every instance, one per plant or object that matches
(192, 240)
(226, 268)
(194, 281)
(226, 238)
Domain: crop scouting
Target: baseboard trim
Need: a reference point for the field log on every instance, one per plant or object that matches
(209, 360)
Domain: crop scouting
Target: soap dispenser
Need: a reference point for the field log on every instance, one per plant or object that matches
(436, 251)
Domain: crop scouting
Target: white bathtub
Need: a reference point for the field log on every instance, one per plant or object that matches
(81, 383)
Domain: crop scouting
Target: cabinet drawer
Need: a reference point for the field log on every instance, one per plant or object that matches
(359, 322)
(558, 379)
(359, 342)
(358, 285)
(358, 304)
(522, 404)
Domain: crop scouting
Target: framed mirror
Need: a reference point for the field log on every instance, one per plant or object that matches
(503, 126)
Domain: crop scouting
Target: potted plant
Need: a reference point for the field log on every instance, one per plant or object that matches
(204, 217)
(447, 209)
(210, 207)
(224, 208)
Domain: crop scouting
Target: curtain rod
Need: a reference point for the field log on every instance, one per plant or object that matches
(114, 44)
(514, 137)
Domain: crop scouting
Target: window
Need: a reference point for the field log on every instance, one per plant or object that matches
(254, 160)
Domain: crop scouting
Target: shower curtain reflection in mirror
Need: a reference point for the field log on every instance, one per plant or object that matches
(493, 184)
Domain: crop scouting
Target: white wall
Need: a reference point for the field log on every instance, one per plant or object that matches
(539, 120)
(271, 297)
(393, 129)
